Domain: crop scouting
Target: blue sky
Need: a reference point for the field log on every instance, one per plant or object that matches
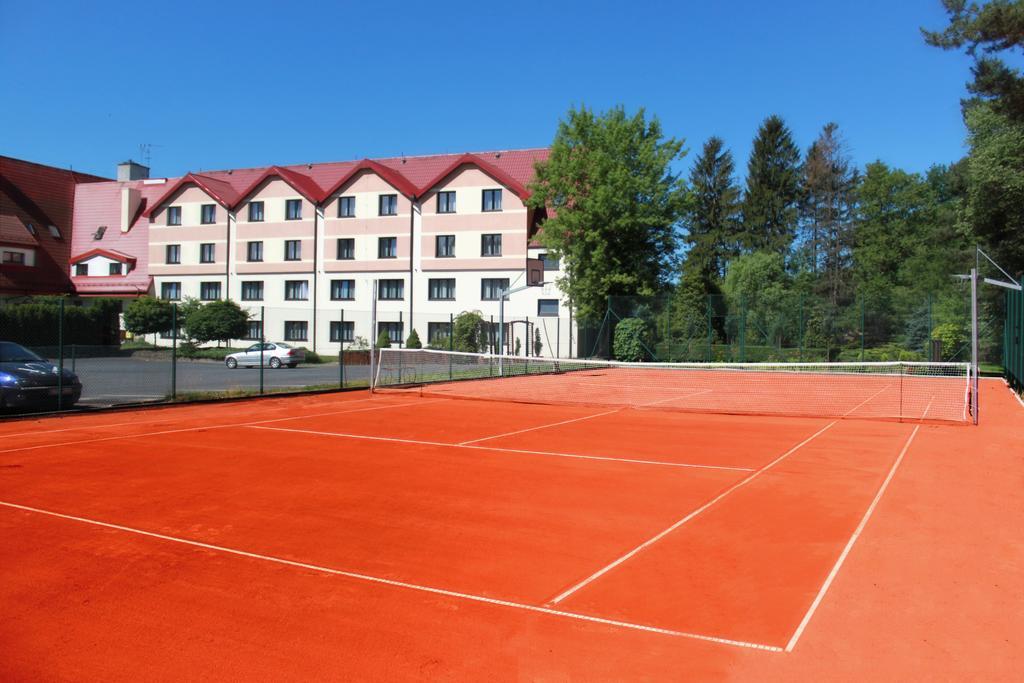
(225, 84)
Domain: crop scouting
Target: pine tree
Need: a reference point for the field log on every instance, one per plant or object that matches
(773, 184)
(713, 216)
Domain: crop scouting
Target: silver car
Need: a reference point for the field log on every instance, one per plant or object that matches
(275, 354)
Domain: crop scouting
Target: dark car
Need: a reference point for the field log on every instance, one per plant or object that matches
(28, 381)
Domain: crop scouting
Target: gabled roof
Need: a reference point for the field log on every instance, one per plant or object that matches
(14, 231)
(473, 160)
(393, 178)
(302, 184)
(219, 190)
(109, 253)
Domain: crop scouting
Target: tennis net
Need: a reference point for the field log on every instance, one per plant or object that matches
(888, 390)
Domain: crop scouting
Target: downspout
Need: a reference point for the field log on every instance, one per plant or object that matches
(316, 255)
(412, 279)
(228, 245)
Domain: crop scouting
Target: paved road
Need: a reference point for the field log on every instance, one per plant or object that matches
(111, 381)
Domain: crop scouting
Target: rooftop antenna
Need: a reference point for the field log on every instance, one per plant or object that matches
(146, 152)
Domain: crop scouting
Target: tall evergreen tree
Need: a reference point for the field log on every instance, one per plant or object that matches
(713, 215)
(773, 185)
(617, 206)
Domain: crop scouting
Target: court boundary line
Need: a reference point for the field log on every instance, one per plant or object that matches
(217, 426)
(849, 544)
(691, 515)
(578, 456)
(530, 429)
(870, 398)
(72, 416)
(399, 584)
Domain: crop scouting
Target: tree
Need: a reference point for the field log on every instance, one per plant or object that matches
(383, 340)
(148, 315)
(758, 286)
(773, 185)
(215, 321)
(466, 332)
(713, 212)
(827, 210)
(992, 27)
(538, 345)
(615, 202)
(413, 342)
(630, 343)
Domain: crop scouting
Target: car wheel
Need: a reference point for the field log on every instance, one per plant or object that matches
(231, 363)
(275, 363)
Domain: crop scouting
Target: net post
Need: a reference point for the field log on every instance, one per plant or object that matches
(974, 342)
(373, 339)
(451, 342)
(501, 334)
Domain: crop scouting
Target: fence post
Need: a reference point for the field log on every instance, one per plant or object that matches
(743, 330)
(861, 328)
(263, 318)
(558, 337)
(928, 337)
(451, 342)
(341, 351)
(60, 356)
(174, 351)
(709, 355)
(74, 356)
(800, 329)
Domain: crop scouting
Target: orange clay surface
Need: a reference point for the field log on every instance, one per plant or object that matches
(401, 537)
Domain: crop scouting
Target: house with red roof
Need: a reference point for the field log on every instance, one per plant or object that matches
(307, 248)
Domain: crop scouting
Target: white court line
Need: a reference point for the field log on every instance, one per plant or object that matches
(530, 429)
(199, 429)
(400, 584)
(927, 407)
(849, 545)
(119, 424)
(676, 398)
(654, 539)
(847, 413)
(418, 442)
(1015, 394)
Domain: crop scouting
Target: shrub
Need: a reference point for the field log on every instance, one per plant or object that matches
(147, 315)
(312, 356)
(413, 342)
(36, 322)
(630, 338)
(466, 332)
(383, 340)
(538, 346)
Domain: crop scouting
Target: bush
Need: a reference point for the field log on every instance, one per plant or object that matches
(630, 338)
(538, 345)
(312, 356)
(413, 342)
(880, 354)
(383, 340)
(466, 332)
(147, 315)
(36, 322)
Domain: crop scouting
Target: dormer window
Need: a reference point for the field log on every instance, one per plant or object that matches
(31, 228)
(116, 268)
(55, 232)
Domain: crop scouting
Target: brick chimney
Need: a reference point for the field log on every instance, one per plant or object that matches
(131, 170)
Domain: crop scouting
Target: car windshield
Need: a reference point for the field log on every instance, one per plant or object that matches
(15, 353)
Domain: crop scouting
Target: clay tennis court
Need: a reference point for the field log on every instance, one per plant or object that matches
(411, 535)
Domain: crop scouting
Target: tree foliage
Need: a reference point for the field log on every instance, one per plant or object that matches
(773, 189)
(215, 321)
(467, 332)
(148, 315)
(413, 342)
(616, 203)
(713, 214)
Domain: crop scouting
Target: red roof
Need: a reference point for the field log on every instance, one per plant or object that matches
(221, 191)
(109, 253)
(44, 196)
(485, 166)
(302, 184)
(14, 231)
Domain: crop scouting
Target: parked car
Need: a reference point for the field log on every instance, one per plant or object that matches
(275, 354)
(29, 381)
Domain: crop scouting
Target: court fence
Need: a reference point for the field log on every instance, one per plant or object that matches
(1013, 340)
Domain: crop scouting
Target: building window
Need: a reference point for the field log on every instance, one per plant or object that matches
(343, 331)
(438, 333)
(55, 232)
(208, 214)
(81, 269)
(550, 262)
(296, 290)
(31, 229)
(172, 253)
(209, 291)
(346, 249)
(295, 330)
(171, 291)
(387, 247)
(173, 215)
(388, 205)
(255, 330)
(547, 308)
(252, 291)
(293, 250)
(207, 253)
(346, 207)
(293, 209)
(394, 331)
(442, 289)
(343, 290)
(490, 245)
(444, 246)
(15, 258)
(492, 200)
(390, 290)
(116, 268)
(446, 202)
(491, 288)
(255, 212)
(254, 251)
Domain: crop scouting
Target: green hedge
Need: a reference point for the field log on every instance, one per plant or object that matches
(37, 322)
